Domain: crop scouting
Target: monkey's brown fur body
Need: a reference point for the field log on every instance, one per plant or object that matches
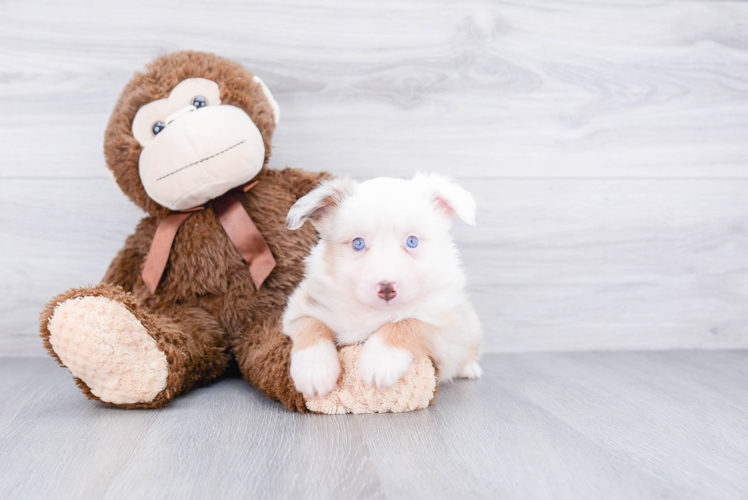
(206, 307)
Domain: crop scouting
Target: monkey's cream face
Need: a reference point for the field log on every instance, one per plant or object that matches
(194, 148)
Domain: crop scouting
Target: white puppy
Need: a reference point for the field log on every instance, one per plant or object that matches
(385, 272)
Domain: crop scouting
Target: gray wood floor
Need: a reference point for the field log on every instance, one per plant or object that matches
(567, 425)
(605, 142)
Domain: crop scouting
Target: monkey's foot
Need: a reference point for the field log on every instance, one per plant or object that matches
(104, 345)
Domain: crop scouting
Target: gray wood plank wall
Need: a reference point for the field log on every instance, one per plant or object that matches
(605, 142)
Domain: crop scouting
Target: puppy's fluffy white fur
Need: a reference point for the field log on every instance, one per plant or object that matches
(341, 282)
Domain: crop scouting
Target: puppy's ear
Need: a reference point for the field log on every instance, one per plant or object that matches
(319, 202)
(448, 196)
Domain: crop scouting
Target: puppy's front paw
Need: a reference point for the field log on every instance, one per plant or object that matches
(315, 370)
(382, 366)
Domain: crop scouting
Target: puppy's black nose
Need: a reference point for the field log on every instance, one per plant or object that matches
(386, 290)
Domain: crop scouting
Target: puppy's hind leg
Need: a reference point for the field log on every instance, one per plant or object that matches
(470, 371)
(470, 368)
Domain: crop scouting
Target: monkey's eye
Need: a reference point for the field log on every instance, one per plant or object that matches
(158, 127)
(199, 102)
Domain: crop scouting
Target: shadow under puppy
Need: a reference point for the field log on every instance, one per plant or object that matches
(385, 273)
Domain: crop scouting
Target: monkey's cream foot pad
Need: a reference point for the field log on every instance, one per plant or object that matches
(413, 392)
(102, 343)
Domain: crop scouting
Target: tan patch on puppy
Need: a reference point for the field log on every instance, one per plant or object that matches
(311, 300)
(330, 259)
(310, 331)
(409, 334)
(332, 255)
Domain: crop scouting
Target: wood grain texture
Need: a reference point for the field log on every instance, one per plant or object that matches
(574, 425)
(476, 88)
(605, 142)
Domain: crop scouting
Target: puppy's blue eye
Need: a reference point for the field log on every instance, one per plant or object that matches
(359, 244)
(412, 241)
(158, 127)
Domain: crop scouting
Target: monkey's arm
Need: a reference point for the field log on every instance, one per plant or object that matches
(127, 266)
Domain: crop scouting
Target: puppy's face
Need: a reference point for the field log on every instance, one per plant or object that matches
(386, 240)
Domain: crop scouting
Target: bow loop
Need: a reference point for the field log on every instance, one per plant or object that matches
(239, 227)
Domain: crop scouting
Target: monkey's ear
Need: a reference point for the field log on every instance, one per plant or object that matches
(320, 202)
(270, 98)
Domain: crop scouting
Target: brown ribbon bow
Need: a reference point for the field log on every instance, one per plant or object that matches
(238, 226)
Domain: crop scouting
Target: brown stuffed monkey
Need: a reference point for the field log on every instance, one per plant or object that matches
(206, 275)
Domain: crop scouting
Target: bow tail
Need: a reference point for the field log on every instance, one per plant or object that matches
(245, 236)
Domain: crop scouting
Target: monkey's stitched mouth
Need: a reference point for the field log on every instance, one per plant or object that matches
(200, 161)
